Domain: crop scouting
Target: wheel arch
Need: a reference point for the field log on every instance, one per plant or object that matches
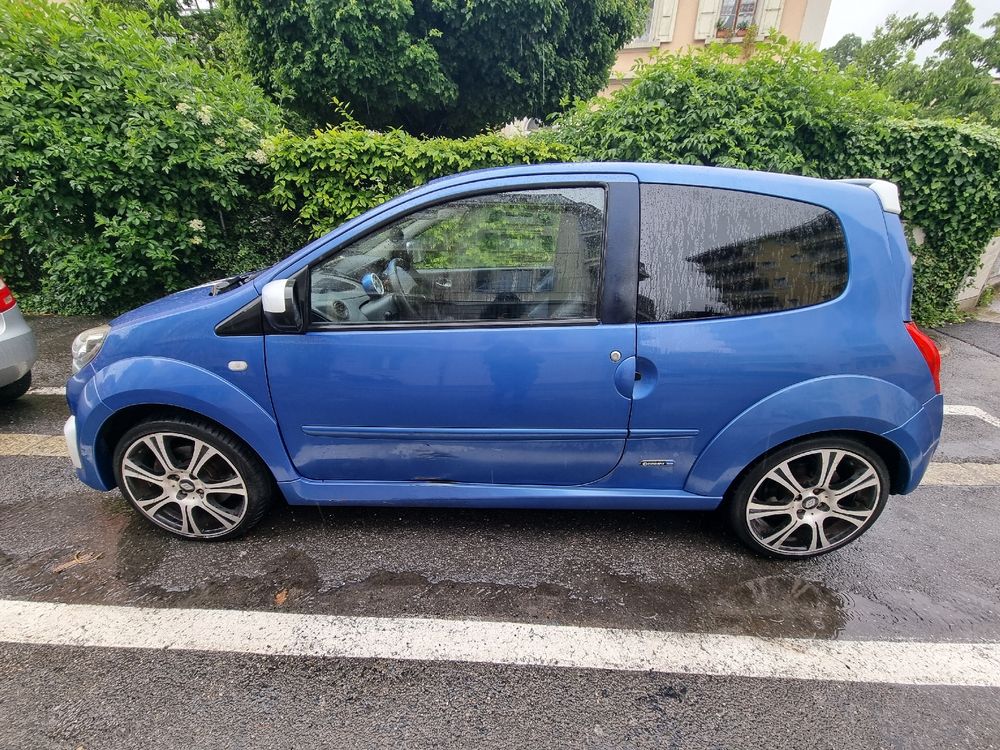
(121, 421)
(125, 396)
(890, 453)
(867, 409)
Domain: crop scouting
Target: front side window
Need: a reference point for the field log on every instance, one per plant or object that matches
(526, 255)
(708, 253)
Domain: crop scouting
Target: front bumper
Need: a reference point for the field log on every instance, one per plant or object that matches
(72, 445)
(18, 349)
(87, 412)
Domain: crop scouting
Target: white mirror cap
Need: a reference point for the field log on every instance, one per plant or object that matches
(272, 296)
(887, 192)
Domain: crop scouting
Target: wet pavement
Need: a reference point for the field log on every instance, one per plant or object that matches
(927, 571)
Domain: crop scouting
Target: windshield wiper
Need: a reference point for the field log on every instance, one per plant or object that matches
(224, 285)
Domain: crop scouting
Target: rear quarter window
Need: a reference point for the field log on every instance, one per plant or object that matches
(707, 253)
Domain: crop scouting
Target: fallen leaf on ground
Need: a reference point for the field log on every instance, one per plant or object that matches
(79, 558)
(281, 597)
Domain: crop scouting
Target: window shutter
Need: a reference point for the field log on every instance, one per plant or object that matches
(708, 16)
(770, 17)
(665, 23)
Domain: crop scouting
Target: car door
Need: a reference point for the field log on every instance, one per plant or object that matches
(473, 338)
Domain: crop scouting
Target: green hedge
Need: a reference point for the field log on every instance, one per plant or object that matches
(127, 168)
(949, 179)
(338, 173)
(787, 109)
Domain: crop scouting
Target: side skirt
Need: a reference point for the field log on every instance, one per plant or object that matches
(454, 495)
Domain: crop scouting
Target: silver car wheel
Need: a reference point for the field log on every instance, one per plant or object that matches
(184, 484)
(814, 501)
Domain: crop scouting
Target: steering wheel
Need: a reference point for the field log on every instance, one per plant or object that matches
(406, 283)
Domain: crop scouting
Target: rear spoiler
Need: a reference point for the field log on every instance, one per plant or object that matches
(887, 192)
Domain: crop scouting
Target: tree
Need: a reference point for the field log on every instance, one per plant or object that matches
(956, 80)
(207, 24)
(844, 52)
(435, 66)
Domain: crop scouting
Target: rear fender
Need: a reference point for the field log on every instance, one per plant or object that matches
(840, 402)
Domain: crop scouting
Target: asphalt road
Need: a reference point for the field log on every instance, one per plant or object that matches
(926, 572)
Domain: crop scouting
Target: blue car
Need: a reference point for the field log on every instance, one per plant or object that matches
(614, 336)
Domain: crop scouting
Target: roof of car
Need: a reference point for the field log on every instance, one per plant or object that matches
(807, 188)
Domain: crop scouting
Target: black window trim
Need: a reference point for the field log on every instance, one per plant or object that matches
(516, 186)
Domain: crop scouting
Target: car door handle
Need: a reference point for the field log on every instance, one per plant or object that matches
(646, 377)
(625, 376)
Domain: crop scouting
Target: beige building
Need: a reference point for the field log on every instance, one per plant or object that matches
(678, 24)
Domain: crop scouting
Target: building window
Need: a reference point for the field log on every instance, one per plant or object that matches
(735, 17)
(659, 24)
(647, 33)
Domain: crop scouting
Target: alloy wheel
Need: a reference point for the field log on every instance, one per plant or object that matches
(814, 501)
(184, 484)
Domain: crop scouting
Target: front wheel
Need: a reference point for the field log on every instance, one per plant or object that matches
(192, 478)
(809, 498)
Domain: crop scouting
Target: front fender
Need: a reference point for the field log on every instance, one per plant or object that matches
(127, 383)
(838, 402)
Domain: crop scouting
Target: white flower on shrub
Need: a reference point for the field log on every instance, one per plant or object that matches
(183, 107)
(246, 126)
(205, 115)
(267, 146)
(220, 142)
(196, 240)
(197, 225)
(259, 156)
(517, 128)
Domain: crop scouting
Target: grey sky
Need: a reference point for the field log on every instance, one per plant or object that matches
(862, 16)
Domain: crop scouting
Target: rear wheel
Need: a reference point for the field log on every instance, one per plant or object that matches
(192, 479)
(16, 389)
(809, 498)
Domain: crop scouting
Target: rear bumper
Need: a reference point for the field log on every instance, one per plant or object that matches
(18, 350)
(918, 438)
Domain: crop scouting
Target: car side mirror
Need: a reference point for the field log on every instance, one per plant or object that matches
(282, 306)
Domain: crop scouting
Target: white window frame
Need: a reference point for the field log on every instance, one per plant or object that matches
(663, 17)
(766, 15)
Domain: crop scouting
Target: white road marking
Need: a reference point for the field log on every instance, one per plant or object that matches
(233, 631)
(958, 410)
(26, 444)
(48, 391)
(961, 475)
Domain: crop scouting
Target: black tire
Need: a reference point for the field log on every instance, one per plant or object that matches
(16, 389)
(175, 432)
(831, 522)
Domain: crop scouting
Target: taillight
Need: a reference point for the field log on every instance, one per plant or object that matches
(930, 351)
(7, 300)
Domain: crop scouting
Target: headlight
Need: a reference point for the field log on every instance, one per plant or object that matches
(87, 345)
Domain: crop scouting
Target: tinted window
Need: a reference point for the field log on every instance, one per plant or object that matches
(709, 253)
(518, 255)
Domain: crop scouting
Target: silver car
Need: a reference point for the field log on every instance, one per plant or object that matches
(18, 349)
